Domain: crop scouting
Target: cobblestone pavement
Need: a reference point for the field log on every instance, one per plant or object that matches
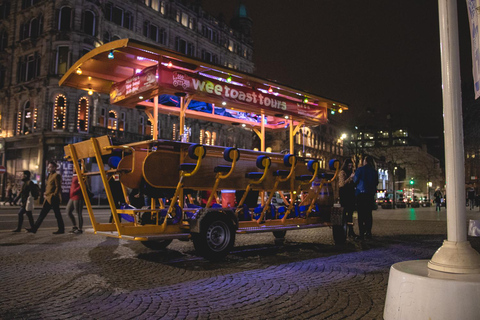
(91, 277)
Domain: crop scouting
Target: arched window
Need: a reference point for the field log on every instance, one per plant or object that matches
(64, 19)
(89, 23)
(59, 112)
(112, 120)
(83, 114)
(213, 139)
(26, 119)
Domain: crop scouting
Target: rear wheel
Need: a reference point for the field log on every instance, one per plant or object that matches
(216, 237)
(157, 244)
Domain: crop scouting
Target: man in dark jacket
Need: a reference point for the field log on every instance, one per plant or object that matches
(366, 180)
(53, 198)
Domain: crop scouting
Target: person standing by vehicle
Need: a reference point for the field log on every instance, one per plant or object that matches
(27, 198)
(75, 203)
(471, 198)
(366, 180)
(53, 197)
(438, 199)
(347, 193)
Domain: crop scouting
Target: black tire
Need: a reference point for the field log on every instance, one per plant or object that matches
(340, 234)
(279, 234)
(216, 237)
(157, 244)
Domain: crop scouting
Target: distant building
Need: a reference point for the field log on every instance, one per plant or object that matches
(416, 171)
(40, 40)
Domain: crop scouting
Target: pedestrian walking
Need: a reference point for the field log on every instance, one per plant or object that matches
(75, 203)
(438, 199)
(53, 197)
(471, 198)
(26, 197)
(347, 193)
(366, 180)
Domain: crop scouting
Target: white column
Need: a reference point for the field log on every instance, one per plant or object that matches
(456, 255)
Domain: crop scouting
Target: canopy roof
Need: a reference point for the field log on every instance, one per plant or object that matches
(133, 72)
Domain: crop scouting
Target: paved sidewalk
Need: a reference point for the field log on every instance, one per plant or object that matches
(91, 277)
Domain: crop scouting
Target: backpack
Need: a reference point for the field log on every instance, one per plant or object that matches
(34, 190)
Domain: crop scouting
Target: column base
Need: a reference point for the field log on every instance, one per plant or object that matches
(455, 257)
(416, 292)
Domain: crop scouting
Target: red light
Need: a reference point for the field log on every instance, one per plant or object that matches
(270, 90)
(170, 64)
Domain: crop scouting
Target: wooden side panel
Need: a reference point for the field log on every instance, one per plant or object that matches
(85, 149)
(132, 179)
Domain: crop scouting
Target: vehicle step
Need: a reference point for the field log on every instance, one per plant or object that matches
(280, 228)
(143, 237)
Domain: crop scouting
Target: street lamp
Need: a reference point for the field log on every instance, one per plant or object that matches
(429, 185)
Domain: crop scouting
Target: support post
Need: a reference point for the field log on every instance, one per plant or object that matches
(456, 254)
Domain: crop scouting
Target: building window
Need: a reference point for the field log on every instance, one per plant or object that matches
(63, 54)
(59, 112)
(83, 114)
(112, 120)
(64, 19)
(121, 122)
(118, 16)
(151, 31)
(29, 3)
(101, 118)
(2, 76)
(141, 126)
(209, 57)
(28, 67)
(31, 29)
(184, 47)
(89, 21)
(3, 40)
(26, 119)
(4, 10)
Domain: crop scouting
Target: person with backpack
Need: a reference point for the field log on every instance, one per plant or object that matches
(27, 196)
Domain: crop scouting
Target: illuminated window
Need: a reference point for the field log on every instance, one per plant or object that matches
(59, 112)
(101, 118)
(121, 122)
(26, 119)
(63, 54)
(112, 120)
(83, 114)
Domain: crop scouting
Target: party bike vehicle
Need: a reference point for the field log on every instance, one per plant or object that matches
(170, 172)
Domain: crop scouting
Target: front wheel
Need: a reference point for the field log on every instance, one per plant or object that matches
(157, 244)
(216, 237)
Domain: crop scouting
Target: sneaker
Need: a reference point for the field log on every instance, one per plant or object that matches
(78, 231)
(31, 230)
(74, 229)
(58, 232)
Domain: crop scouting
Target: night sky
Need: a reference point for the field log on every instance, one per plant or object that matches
(379, 56)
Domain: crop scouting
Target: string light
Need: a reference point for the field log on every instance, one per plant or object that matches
(170, 64)
(229, 79)
(79, 71)
(305, 100)
(340, 110)
(90, 92)
(270, 90)
(59, 111)
(110, 55)
(79, 112)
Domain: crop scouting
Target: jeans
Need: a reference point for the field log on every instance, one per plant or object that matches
(55, 205)
(77, 206)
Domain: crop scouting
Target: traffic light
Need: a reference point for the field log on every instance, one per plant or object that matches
(411, 181)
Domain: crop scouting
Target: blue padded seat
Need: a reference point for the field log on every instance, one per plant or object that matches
(327, 176)
(304, 177)
(253, 175)
(187, 166)
(281, 173)
(223, 169)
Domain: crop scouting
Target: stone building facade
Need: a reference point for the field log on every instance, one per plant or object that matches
(40, 40)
